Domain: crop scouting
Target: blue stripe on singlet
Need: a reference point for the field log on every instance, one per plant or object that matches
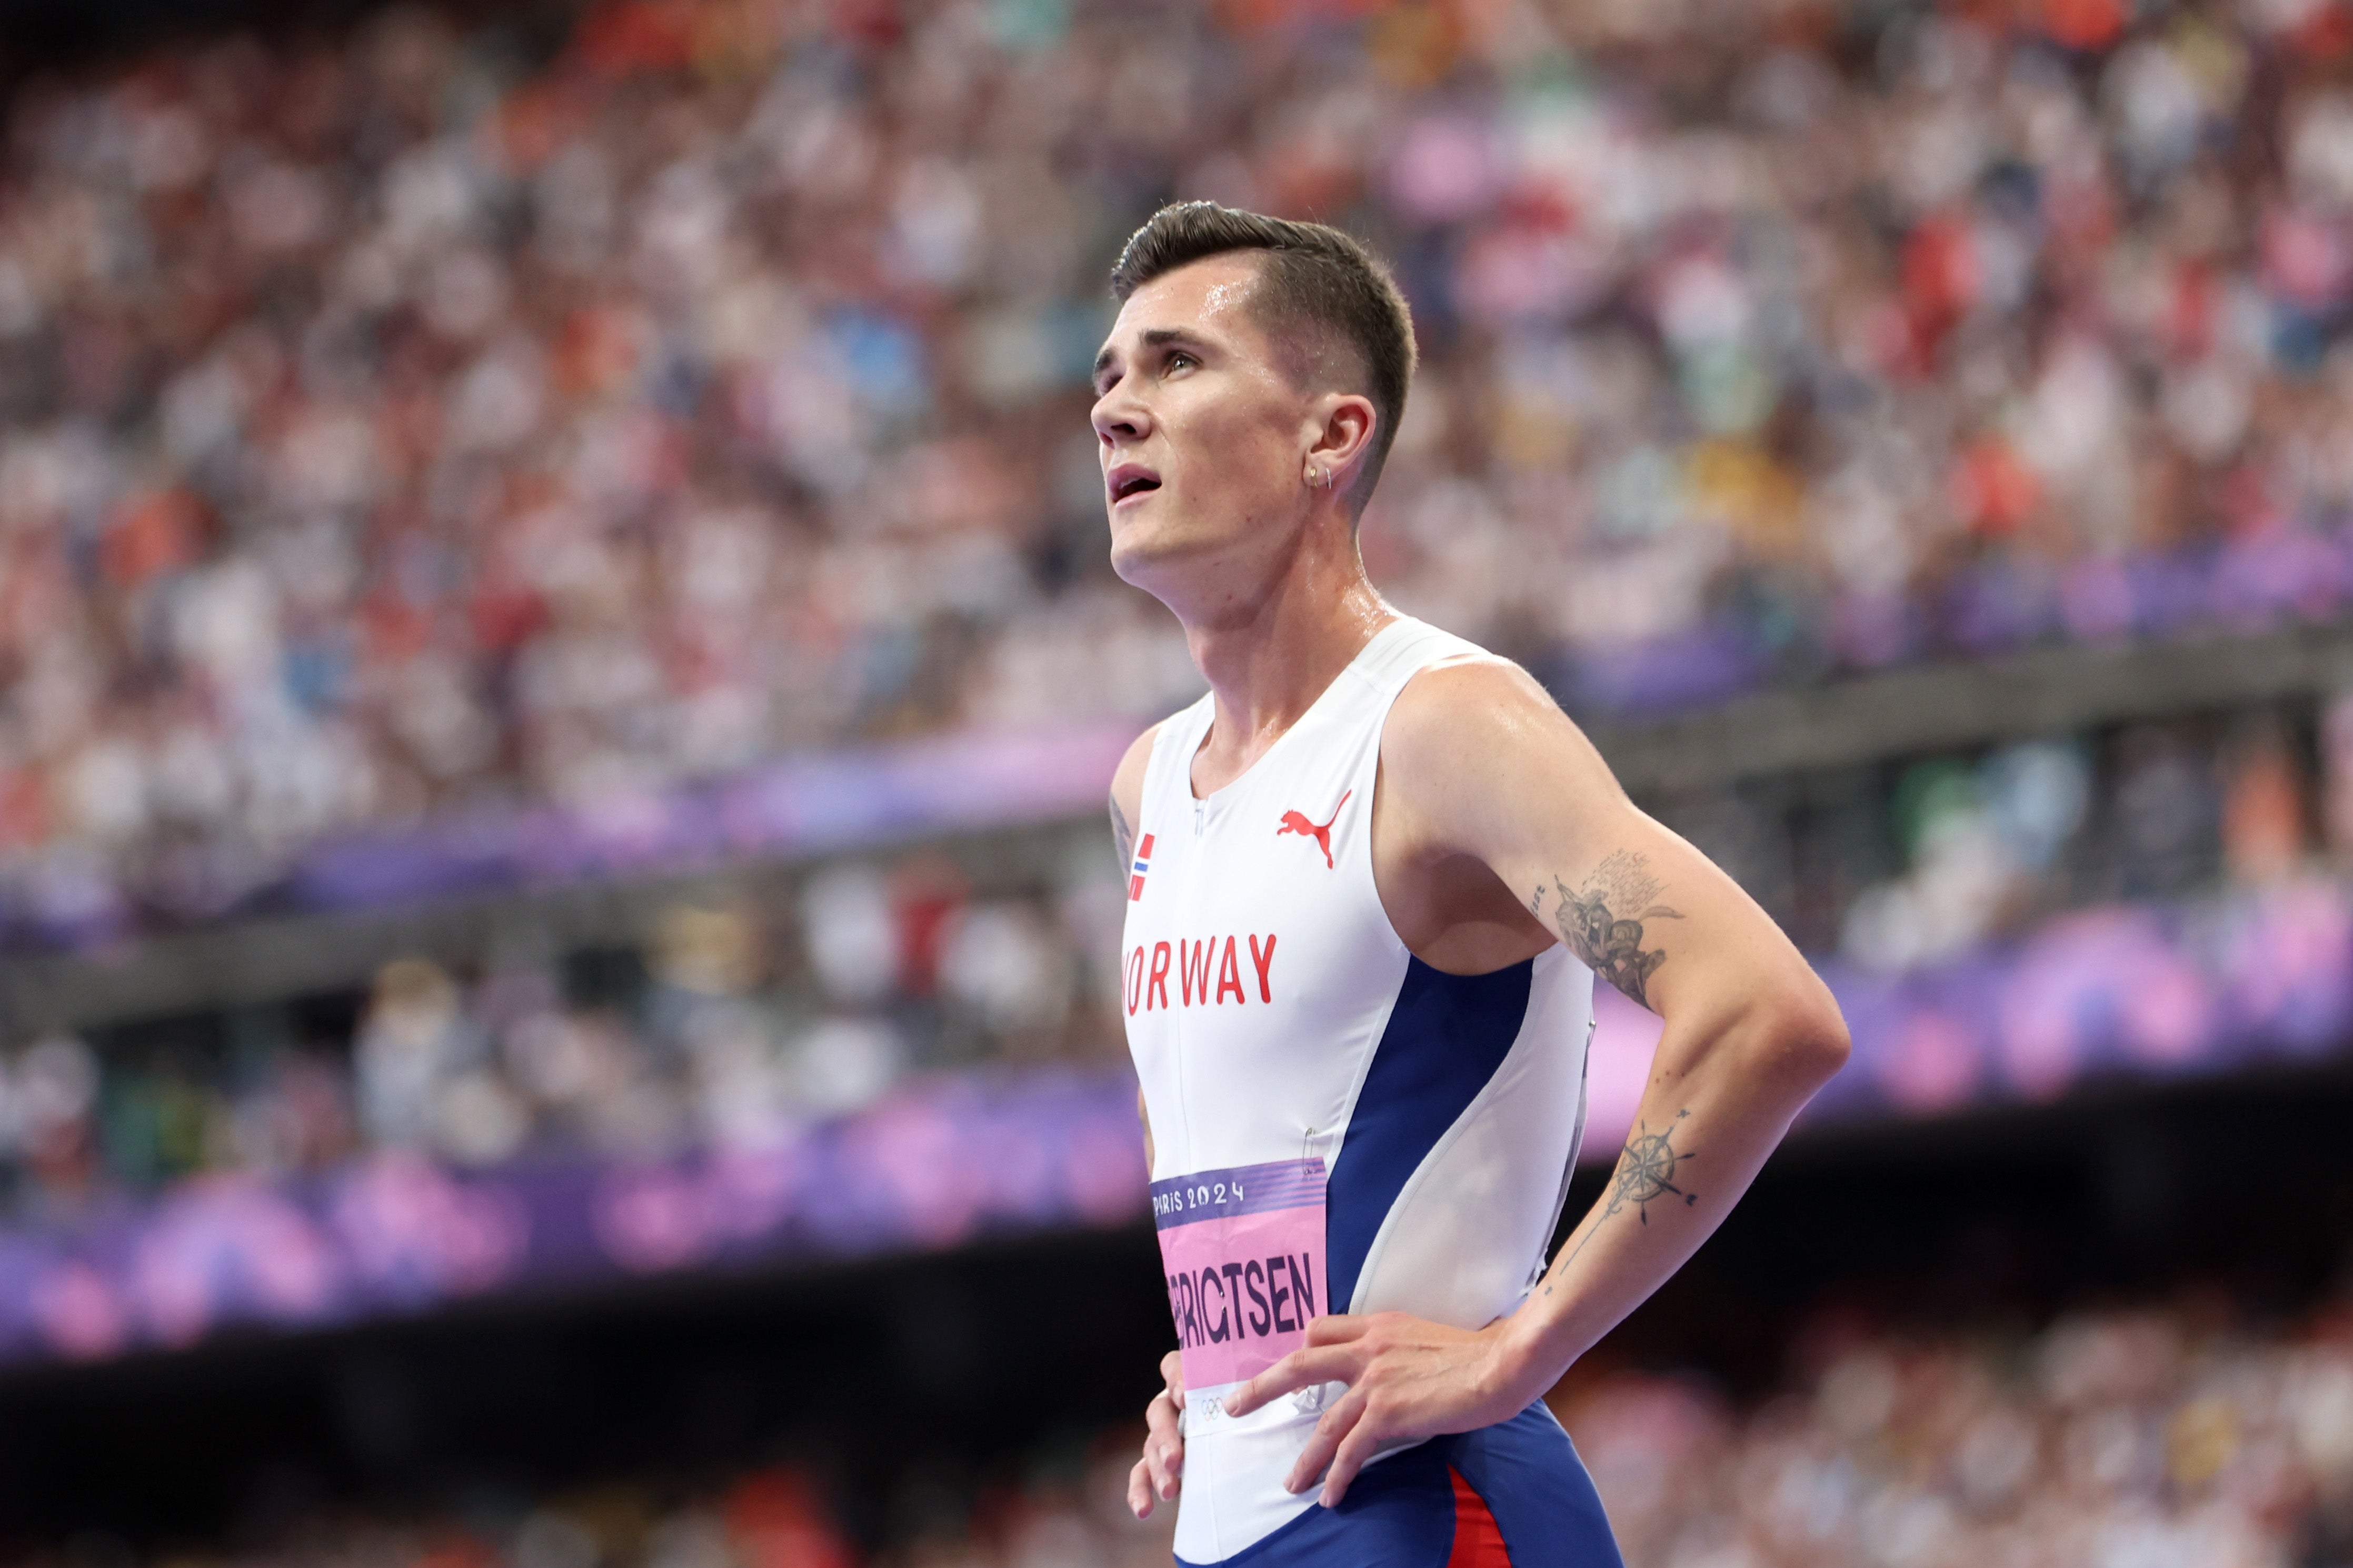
(1445, 1037)
(1527, 1473)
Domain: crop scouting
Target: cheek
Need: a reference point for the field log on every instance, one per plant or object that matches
(1233, 451)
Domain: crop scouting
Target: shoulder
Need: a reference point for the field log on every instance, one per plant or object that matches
(1484, 703)
(1467, 743)
(1127, 779)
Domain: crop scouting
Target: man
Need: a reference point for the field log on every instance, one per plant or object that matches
(1371, 876)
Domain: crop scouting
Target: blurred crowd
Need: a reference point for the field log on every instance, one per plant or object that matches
(730, 1024)
(738, 1016)
(1064, 1508)
(1911, 861)
(422, 415)
(2155, 1436)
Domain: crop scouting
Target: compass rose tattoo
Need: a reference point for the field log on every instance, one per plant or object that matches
(1646, 1171)
(1645, 1175)
(1602, 921)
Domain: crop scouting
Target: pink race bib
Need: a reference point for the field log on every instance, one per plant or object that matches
(1244, 1254)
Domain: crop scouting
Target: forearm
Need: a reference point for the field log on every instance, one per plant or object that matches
(1718, 1102)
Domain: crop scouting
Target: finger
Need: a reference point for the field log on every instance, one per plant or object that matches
(1329, 1363)
(1167, 1482)
(1160, 1475)
(1172, 1375)
(1323, 1442)
(1165, 1423)
(1139, 1490)
(1337, 1329)
(1164, 1447)
(1355, 1451)
(1167, 1457)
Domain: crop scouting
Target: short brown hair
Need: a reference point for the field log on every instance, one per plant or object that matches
(1313, 275)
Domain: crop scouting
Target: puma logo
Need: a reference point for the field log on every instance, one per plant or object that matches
(1297, 822)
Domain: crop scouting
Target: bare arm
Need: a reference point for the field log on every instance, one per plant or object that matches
(1126, 805)
(1127, 796)
(1123, 837)
(1157, 1476)
(1751, 1033)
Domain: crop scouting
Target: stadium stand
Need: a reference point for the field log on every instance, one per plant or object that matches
(2169, 1433)
(404, 421)
(2069, 865)
(448, 460)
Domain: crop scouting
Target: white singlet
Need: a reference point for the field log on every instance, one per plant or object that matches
(1337, 1126)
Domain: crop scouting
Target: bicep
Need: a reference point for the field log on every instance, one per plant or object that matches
(1626, 894)
(1653, 916)
(1641, 906)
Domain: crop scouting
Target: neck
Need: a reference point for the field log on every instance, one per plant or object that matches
(1269, 655)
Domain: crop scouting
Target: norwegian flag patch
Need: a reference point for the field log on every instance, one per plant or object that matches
(1142, 864)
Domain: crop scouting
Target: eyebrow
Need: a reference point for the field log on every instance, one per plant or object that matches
(1154, 337)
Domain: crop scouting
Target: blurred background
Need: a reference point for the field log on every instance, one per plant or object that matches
(558, 675)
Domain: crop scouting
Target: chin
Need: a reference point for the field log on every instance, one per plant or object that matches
(1132, 560)
(1144, 549)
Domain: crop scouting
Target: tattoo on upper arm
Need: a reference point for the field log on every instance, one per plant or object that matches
(1122, 836)
(1602, 922)
(1645, 1175)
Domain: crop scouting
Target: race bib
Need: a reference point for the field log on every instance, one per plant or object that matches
(1243, 1249)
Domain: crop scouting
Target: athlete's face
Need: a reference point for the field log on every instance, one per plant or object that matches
(1204, 437)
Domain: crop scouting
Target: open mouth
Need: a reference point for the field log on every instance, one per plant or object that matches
(1125, 481)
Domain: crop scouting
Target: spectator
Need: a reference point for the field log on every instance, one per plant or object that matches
(393, 423)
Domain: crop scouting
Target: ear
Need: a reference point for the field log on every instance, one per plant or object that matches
(1343, 439)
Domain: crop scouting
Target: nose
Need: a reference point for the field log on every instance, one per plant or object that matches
(1119, 415)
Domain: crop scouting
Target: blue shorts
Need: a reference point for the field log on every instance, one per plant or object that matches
(1512, 1494)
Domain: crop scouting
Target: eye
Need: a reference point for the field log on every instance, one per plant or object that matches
(1179, 358)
